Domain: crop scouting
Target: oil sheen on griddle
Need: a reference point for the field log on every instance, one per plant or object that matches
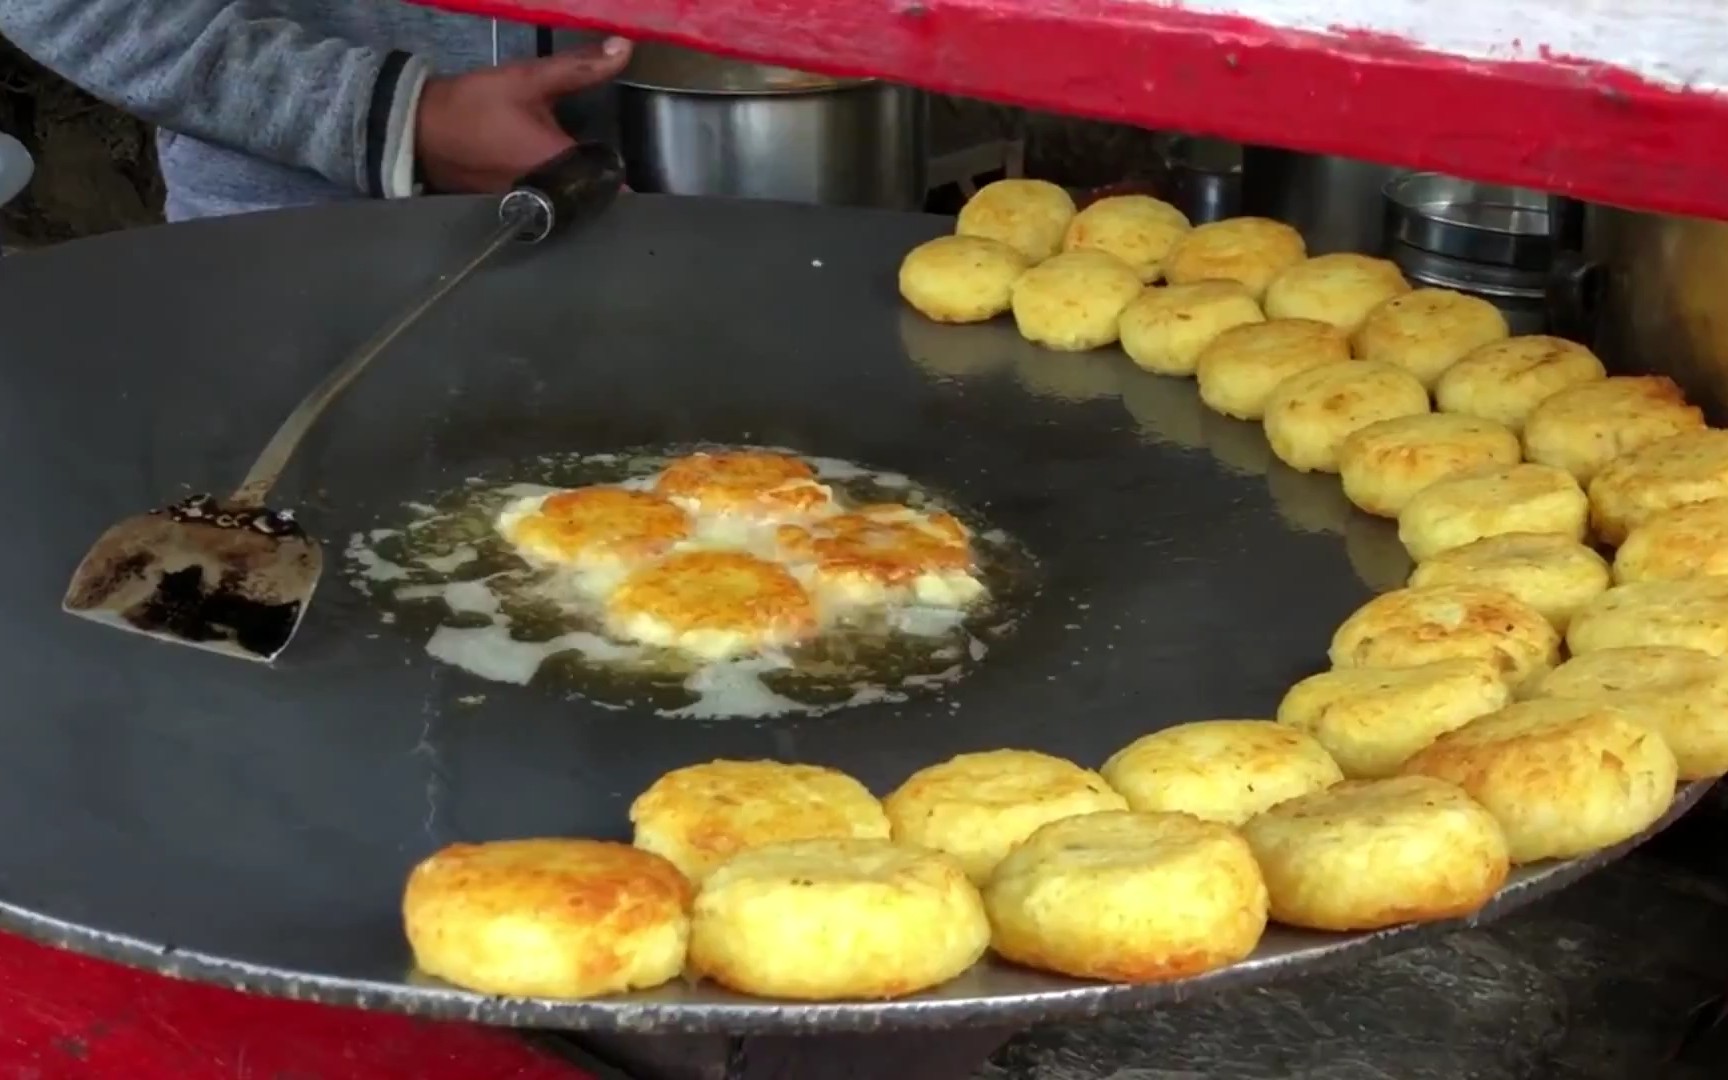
(443, 575)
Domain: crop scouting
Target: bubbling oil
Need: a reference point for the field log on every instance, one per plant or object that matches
(446, 578)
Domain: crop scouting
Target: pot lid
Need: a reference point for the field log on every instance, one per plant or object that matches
(654, 66)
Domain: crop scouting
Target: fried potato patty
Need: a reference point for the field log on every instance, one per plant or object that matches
(699, 816)
(1128, 897)
(976, 807)
(827, 920)
(548, 918)
(713, 604)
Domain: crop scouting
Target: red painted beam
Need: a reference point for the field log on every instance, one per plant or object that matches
(68, 1016)
(1587, 129)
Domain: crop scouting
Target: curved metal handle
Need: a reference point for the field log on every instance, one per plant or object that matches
(571, 188)
(1576, 289)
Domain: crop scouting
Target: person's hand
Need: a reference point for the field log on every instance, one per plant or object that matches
(481, 131)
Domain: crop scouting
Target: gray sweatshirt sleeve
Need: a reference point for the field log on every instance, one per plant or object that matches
(231, 72)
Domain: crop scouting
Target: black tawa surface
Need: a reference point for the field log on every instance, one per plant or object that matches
(253, 825)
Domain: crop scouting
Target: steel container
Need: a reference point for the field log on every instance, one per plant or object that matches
(696, 124)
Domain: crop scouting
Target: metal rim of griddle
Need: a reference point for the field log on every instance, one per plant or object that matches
(108, 754)
(749, 1016)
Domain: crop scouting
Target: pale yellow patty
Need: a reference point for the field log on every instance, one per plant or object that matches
(1030, 216)
(1128, 897)
(1220, 770)
(1241, 367)
(1138, 229)
(1371, 720)
(1517, 499)
(1251, 250)
(961, 279)
(1309, 415)
(699, 816)
(1689, 614)
(1563, 778)
(1072, 302)
(1641, 669)
(1553, 573)
(1385, 464)
(1164, 329)
(1505, 381)
(1413, 626)
(1426, 331)
(1681, 694)
(1687, 541)
(1584, 427)
(548, 918)
(1662, 475)
(1369, 854)
(1340, 288)
(976, 807)
(829, 920)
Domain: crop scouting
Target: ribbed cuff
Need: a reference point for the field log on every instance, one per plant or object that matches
(390, 125)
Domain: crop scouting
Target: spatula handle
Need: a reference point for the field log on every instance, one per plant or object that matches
(572, 188)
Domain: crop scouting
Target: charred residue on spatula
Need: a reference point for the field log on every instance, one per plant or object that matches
(184, 607)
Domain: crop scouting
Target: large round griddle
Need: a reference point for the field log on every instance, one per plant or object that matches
(252, 826)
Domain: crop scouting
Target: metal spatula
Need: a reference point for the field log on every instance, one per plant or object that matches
(235, 576)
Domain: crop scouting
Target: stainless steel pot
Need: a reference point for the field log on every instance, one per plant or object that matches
(696, 124)
(1334, 202)
(1650, 293)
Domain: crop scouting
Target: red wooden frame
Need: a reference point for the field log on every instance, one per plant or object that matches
(64, 1016)
(1593, 131)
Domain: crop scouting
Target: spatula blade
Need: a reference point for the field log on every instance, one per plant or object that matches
(229, 580)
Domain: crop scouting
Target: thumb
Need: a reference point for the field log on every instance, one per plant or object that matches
(578, 69)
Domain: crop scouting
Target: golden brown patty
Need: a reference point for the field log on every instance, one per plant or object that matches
(745, 482)
(1373, 719)
(1368, 854)
(1439, 622)
(1071, 302)
(1505, 381)
(1241, 367)
(1687, 541)
(1658, 476)
(1518, 499)
(593, 524)
(1128, 898)
(1028, 215)
(1309, 415)
(876, 552)
(1428, 330)
(548, 918)
(1163, 330)
(976, 807)
(1551, 572)
(1385, 464)
(1689, 614)
(1250, 250)
(1563, 778)
(1340, 288)
(960, 279)
(1680, 694)
(1138, 229)
(713, 604)
(701, 815)
(1584, 427)
(1220, 770)
(827, 920)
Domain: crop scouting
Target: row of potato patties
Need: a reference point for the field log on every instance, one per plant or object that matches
(1342, 362)
(1168, 862)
